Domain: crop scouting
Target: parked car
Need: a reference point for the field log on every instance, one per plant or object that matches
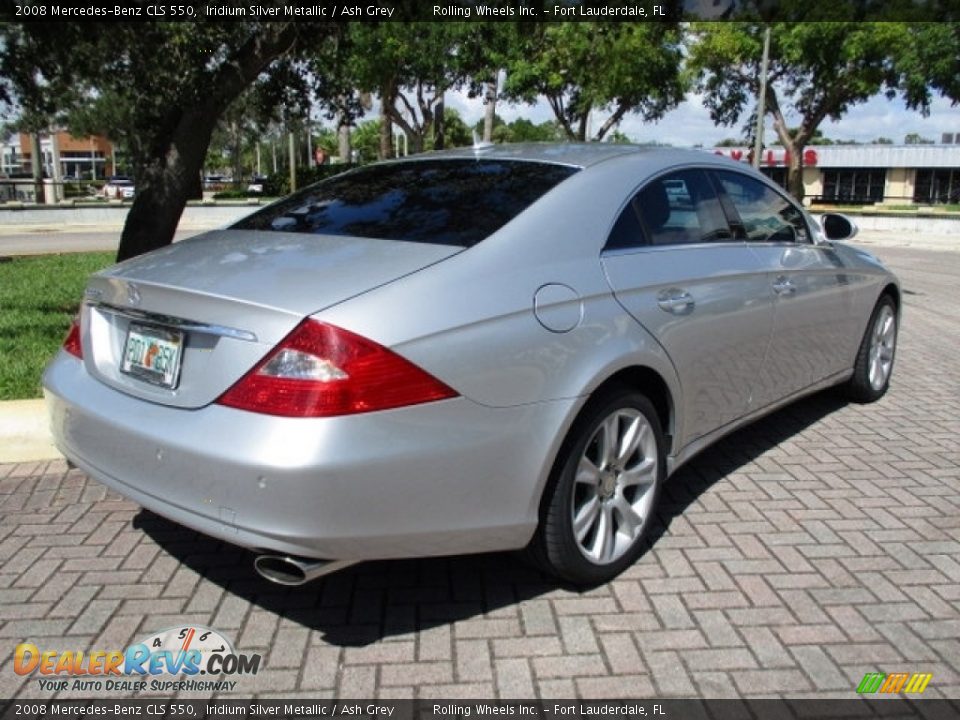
(465, 351)
(118, 187)
(256, 184)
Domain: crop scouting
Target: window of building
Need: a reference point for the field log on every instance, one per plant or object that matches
(937, 185)
(777, 174)
(854, 185)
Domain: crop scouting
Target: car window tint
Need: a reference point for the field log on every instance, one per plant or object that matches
(682, 208)
(767, 216)
(447, 202)
(627, 231)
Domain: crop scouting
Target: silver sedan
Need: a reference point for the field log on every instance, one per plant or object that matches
(484, 349)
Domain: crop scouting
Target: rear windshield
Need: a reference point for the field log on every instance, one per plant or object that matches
(447, 202)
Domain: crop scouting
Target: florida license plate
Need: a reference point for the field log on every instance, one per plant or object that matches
(153, 354)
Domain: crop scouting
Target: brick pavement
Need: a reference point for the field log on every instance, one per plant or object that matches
(817, 545)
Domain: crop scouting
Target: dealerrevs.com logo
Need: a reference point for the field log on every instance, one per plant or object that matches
(146, 665)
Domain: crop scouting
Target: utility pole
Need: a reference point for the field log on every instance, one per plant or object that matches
(762, 99)
(309, 142)
(293, 163)
(36, 165)
(55, 167)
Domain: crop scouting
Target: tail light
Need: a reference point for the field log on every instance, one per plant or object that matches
(72, 342)
(320, 370)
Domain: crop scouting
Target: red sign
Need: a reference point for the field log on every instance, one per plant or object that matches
(772, 158)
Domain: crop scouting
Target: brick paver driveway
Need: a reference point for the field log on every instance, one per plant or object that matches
(795, 556)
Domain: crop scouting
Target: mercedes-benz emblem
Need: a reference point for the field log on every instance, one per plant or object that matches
(133, 294)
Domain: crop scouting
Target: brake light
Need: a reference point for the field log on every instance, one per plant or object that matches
(72, 342)
(320, 370)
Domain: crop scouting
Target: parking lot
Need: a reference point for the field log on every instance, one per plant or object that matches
(792, 558)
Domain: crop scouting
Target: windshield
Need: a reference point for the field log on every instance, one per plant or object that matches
(447, 202)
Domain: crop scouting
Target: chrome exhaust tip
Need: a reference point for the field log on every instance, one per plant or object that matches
(291, 571)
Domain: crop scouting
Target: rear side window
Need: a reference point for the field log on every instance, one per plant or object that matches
(682, 208)
(446, 202)
(766, 215)
(627, 231)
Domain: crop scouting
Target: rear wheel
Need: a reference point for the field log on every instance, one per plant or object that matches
(603, 491)
(874, 365)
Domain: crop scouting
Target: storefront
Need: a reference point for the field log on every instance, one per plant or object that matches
(869, 174)
(90, 158)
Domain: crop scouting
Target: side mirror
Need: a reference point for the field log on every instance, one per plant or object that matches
(837, 227)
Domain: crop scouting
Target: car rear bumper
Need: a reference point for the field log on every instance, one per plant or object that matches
(441, 478)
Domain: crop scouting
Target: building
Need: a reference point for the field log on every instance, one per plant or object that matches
(89, 158)
(869, 174)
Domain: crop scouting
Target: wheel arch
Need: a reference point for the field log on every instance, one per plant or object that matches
(893, 292)
(650, 383)
(640, 378)
(635, 379)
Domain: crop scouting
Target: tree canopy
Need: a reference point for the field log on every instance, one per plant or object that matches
(157, 88)
(161, 90)
(622, 68)
(817, 71)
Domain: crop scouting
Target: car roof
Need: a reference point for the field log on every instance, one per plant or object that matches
(576, 154)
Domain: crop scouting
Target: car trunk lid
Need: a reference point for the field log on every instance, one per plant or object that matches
(223, 300)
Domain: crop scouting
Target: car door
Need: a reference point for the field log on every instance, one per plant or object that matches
(676, 268)
(813, 301)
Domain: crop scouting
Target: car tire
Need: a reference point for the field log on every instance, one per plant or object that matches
(874, 364)
(602, 494)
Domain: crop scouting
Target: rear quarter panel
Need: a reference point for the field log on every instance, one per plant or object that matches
(470, 320)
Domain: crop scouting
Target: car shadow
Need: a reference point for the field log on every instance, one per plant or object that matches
(365, 603)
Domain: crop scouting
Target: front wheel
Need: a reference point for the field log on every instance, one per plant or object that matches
(874, 365)
(603, 490)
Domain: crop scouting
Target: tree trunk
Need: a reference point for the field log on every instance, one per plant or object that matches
(795, 172)
(236, 153)
(386, 136)
(167, 173)
(489, 111)
(439, 139)
(343, 143)
(165, 184)
(584, 121)
(793, 145)
(388, 96)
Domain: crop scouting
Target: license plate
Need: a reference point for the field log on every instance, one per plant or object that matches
(152, 354)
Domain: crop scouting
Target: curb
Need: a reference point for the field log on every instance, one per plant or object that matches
(25, 432)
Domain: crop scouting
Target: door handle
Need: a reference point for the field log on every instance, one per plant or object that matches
(676, 301)
(783, 286)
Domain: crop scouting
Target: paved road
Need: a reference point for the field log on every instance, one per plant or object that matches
(795, 556)
(41, 241)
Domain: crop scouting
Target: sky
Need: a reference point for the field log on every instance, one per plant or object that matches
(690, 123)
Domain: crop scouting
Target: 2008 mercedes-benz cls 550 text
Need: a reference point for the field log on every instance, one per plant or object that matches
(480, 349)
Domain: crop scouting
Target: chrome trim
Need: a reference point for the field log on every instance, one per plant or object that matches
(725, 243)
(180, 323)
(289, 570)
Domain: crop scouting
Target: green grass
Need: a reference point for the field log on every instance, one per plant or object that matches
(38, 297)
